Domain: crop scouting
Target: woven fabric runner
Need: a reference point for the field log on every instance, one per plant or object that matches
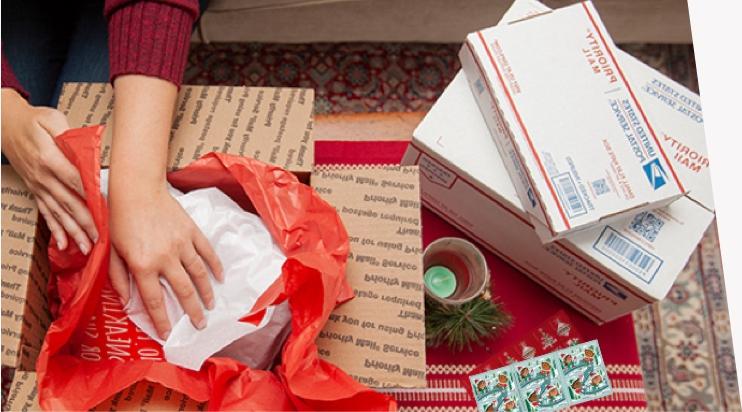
(531, 306)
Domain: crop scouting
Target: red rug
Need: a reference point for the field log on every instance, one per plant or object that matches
(529, 303)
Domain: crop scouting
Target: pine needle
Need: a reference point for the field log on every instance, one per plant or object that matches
(459, 326)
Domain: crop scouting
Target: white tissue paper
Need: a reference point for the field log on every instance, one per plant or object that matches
(252, 262)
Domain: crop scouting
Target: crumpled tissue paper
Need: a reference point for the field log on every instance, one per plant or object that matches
(252, 262)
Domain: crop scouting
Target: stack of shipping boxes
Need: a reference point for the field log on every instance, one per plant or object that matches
(579, 165)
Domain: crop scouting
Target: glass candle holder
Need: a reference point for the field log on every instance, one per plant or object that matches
(455, 271)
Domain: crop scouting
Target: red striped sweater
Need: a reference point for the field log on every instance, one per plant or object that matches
(145, 37)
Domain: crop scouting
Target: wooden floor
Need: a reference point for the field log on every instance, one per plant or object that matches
(366, 126)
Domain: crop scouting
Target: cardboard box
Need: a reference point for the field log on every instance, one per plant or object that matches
(146, 396)
(23, 394)
(270, 124)
(577, 142)
(25, 274)
(387, 254)
(464, 180)
(378, 337)
(142, 396)
(273, 125)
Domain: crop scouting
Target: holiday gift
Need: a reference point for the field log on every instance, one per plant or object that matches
(603, 272)
(549, 382)
(251, 260)
(308, 232)
(268, 124)
(577, 143)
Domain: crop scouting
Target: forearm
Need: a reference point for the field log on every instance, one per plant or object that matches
(12, 101)
(143, 113)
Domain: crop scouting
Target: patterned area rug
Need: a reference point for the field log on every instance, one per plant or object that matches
(346, 77)
(684, 341)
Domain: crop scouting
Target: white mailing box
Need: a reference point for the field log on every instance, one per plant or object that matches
(578, 144)
(603, 272)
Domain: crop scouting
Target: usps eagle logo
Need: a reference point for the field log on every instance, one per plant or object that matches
(531, 197)
(655, 173)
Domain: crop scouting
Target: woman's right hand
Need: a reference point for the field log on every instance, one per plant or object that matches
(28, 143)
(152, 238)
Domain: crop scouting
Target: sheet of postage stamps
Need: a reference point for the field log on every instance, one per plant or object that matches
(546, 383)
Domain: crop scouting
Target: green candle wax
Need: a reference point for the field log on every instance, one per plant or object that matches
(440, 281)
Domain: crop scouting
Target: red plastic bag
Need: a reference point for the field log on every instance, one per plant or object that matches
(311, 235)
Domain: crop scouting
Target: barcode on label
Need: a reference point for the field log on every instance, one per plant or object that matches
(628, 254)
(568, 195)
(600, 187)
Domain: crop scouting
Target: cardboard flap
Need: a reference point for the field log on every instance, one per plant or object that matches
(25, 273)
(273, 125)
(677, 116)
(379, 336)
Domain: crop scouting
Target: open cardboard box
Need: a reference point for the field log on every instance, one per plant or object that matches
(273, 125)
(270, 124)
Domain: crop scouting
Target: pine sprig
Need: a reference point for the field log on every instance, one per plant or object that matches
(459, 326)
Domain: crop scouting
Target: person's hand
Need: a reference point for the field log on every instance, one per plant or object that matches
(28, 143)
(151, 233)
(153, 236)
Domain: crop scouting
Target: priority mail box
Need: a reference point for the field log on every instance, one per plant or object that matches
(25, 274)
(603, 272)
(577, 142)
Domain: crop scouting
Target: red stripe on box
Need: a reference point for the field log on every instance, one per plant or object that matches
(633, 97)
(541, 167)
(520, 158)
(473, 186)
